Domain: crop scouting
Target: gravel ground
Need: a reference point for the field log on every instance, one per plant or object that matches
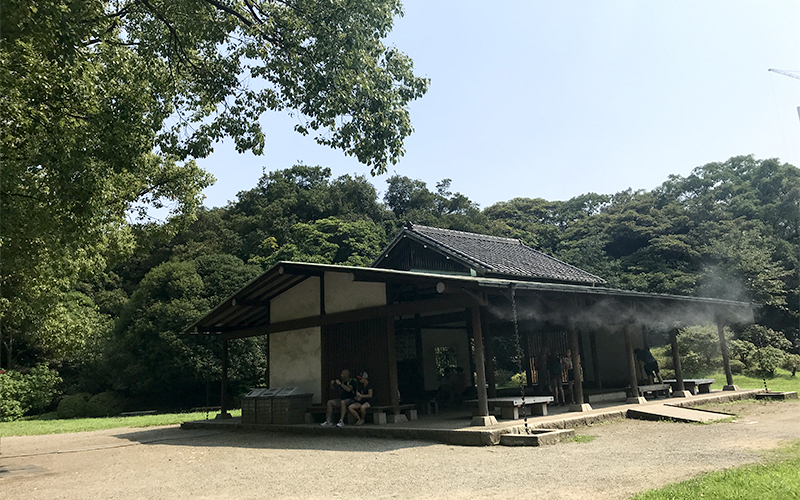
(624, 458)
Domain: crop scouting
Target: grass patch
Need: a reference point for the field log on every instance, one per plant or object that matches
(775, 479)
(783, 381)
(581, 439)
(45, 424)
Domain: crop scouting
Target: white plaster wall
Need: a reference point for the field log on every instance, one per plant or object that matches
(343, 294)
(300, 301)
(431, 339)
(295, 360)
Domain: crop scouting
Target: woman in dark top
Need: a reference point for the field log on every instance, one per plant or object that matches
(363, 398)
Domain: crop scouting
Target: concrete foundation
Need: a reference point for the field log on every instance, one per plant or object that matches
(537, 437)
(731, 388)
(635, 401)
(396, 419)
(581, 407)
(682, 394)
(482, 421)
(776, 396)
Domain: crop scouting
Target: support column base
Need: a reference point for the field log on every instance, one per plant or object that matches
(581, 407)
(483, 421)
(635, 401)
(223, 416)
(682, 394)
(396, 419)
(731, 388)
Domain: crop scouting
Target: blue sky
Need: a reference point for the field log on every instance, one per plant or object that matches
(556, 99)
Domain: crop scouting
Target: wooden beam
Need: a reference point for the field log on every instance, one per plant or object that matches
(632, 379)
(490, 364)
(480, 363)
(432, 305)
(676, 359)
(575, 354)
(394, 387)
(223, 395)
(726, 359)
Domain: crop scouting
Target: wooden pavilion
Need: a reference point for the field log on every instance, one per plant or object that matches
(433, 288)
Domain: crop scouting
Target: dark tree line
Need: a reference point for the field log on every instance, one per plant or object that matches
(728, 230)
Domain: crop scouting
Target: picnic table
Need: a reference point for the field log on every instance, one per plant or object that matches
(693, 385)
(509, 406)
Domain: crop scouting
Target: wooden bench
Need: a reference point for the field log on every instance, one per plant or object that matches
(509, 406)
(655, 390)
(378, 413)
(693, 385)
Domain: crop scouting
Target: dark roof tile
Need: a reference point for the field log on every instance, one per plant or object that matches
(501, 256)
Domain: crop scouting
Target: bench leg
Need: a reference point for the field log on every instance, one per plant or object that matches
(379, 418)
(539, 409)
(509, 412)
(308, 418)
(705, 389)
(411, 414)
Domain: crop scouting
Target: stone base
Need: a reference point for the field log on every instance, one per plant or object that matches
(682, 394)
(580, 407)
(537, 437)
(776, 396)
(635, 401)
(223, 416)
(731, 388)
(482, 421)
(396, 419)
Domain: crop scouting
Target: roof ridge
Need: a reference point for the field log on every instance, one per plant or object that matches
(469, 234)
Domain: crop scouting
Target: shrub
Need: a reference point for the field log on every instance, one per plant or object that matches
(694, 364)
(74, 406)
(761, 336)
(742, 350)
(502, 377)
(791, 362)
(737, 367)
(765, 361)
(520, 379)
(27, 393)
(105, 404)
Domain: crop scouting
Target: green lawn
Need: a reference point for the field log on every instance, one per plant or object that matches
(783, 381)
(46, 425)
(775, 479)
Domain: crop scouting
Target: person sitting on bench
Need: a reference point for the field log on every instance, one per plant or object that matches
(347, 388)
(363, 397)
(650, 364)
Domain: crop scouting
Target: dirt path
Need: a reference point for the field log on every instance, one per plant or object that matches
(624, 458)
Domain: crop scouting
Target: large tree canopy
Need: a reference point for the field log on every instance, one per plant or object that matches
(105, 105)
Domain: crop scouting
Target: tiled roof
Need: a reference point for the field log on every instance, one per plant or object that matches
(500, 256)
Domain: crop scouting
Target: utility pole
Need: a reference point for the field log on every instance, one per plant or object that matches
(790, 74)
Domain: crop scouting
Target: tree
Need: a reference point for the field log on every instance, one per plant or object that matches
(147, 357)
(106, 104)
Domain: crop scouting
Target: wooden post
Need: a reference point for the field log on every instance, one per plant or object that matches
(490, 365)
(632, 379)
(223, 393)
(726, 360)
(482, 417)
(576, 363)
(575, 352)
(595, 359)
(391, 360)
(676, 363)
